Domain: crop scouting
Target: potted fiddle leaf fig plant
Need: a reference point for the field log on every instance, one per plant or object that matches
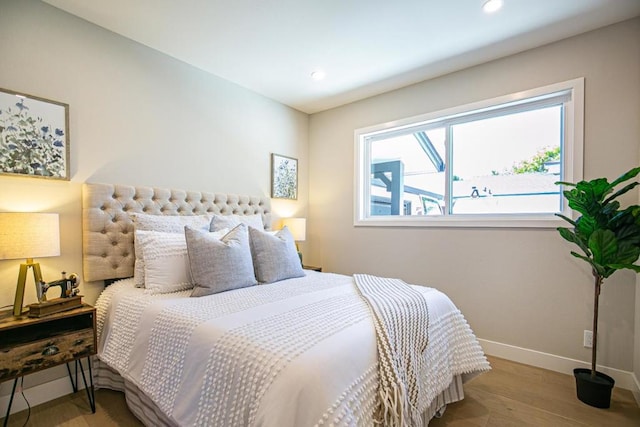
(609, 240)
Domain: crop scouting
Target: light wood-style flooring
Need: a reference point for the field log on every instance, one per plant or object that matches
(510, 395)
(513, 394)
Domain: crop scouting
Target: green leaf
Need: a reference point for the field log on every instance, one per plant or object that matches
(581, 204)
(621, 191)
(633, 267)
(598, 268)
(611, 208)
(569, 220)
(585, 225)
(628, 234)
(564, 232)
(604, 246)
(627, 176)
(595, 189)
(627, 253)
(567, 184)
(574, 236)
(569, 235)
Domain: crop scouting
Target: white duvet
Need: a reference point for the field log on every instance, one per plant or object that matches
(300, 352)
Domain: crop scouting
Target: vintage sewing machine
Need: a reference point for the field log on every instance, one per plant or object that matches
(68, 287)
(69, 298)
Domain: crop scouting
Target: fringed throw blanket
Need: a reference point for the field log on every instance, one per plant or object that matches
(401, 318)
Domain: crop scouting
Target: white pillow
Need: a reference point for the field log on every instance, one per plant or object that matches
(230, 221)
(162, 223)
(166, 262)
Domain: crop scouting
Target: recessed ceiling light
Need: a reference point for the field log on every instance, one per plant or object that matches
(491, 6)
(318, 75)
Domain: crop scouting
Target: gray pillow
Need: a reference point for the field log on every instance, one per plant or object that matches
(219, 222)
(274, 256)
(219, 264)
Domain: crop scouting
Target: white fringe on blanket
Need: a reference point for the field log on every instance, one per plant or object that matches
(401, 318)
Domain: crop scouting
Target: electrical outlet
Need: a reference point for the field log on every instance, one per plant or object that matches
(588, 339)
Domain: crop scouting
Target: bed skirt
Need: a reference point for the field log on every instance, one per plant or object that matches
(140, 405)
(150, 415)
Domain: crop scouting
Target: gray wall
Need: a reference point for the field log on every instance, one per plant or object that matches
(136, 117)
(515, 286)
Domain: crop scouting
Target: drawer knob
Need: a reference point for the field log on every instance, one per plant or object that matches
(50, 351)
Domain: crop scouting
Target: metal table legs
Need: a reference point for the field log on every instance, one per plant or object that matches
(90, 390)
(74, 384)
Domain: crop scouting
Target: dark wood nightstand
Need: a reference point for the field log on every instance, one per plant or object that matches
(29, 345)
(311, 267)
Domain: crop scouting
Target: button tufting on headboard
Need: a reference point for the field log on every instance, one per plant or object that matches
(107, 237)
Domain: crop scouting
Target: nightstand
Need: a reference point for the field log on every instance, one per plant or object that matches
(311, 267)
(29, 345)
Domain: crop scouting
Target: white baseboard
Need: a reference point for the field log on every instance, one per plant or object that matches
(636, 390)
(39, 394)
(565, 365)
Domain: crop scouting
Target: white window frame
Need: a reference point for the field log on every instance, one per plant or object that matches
(572, 162)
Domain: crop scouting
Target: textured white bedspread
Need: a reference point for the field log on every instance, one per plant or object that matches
(299, 352)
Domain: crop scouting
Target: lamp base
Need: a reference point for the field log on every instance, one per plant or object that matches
(22, 280)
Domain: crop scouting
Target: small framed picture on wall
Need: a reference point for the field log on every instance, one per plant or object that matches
(284, 177)
(34, 136)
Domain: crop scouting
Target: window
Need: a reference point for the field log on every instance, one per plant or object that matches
(491, 163)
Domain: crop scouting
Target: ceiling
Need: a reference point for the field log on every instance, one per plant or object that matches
(366, 47)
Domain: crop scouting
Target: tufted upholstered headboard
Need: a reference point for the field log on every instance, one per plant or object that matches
(107, 227)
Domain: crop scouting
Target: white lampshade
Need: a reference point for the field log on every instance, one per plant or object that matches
(29, 235)
(297, 227)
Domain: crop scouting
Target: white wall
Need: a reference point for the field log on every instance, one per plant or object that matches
(137, 117)
(519, 287)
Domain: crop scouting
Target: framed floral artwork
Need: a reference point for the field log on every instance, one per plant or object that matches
(284, 177)
(34, 136)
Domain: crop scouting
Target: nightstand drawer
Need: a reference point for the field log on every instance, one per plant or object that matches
(24, 359)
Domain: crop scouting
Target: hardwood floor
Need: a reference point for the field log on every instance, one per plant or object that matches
(510, 395)
(73, 411)
(513, 394)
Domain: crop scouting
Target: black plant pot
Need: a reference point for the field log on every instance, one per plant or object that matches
(593, 391)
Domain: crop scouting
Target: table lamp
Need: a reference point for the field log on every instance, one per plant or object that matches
(298, 229)
(28, 236)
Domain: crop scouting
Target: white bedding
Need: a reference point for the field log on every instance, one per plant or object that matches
(299, 352)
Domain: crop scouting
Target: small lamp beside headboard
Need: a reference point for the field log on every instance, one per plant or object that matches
(28, 235)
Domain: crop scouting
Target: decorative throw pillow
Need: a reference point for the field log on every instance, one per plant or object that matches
(169, 223)
(165, 224)
(165, 260)
(274, 256)
(166, 264)
(229, 221)
(219, 264)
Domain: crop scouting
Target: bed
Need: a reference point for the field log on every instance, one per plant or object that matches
(298, 351)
